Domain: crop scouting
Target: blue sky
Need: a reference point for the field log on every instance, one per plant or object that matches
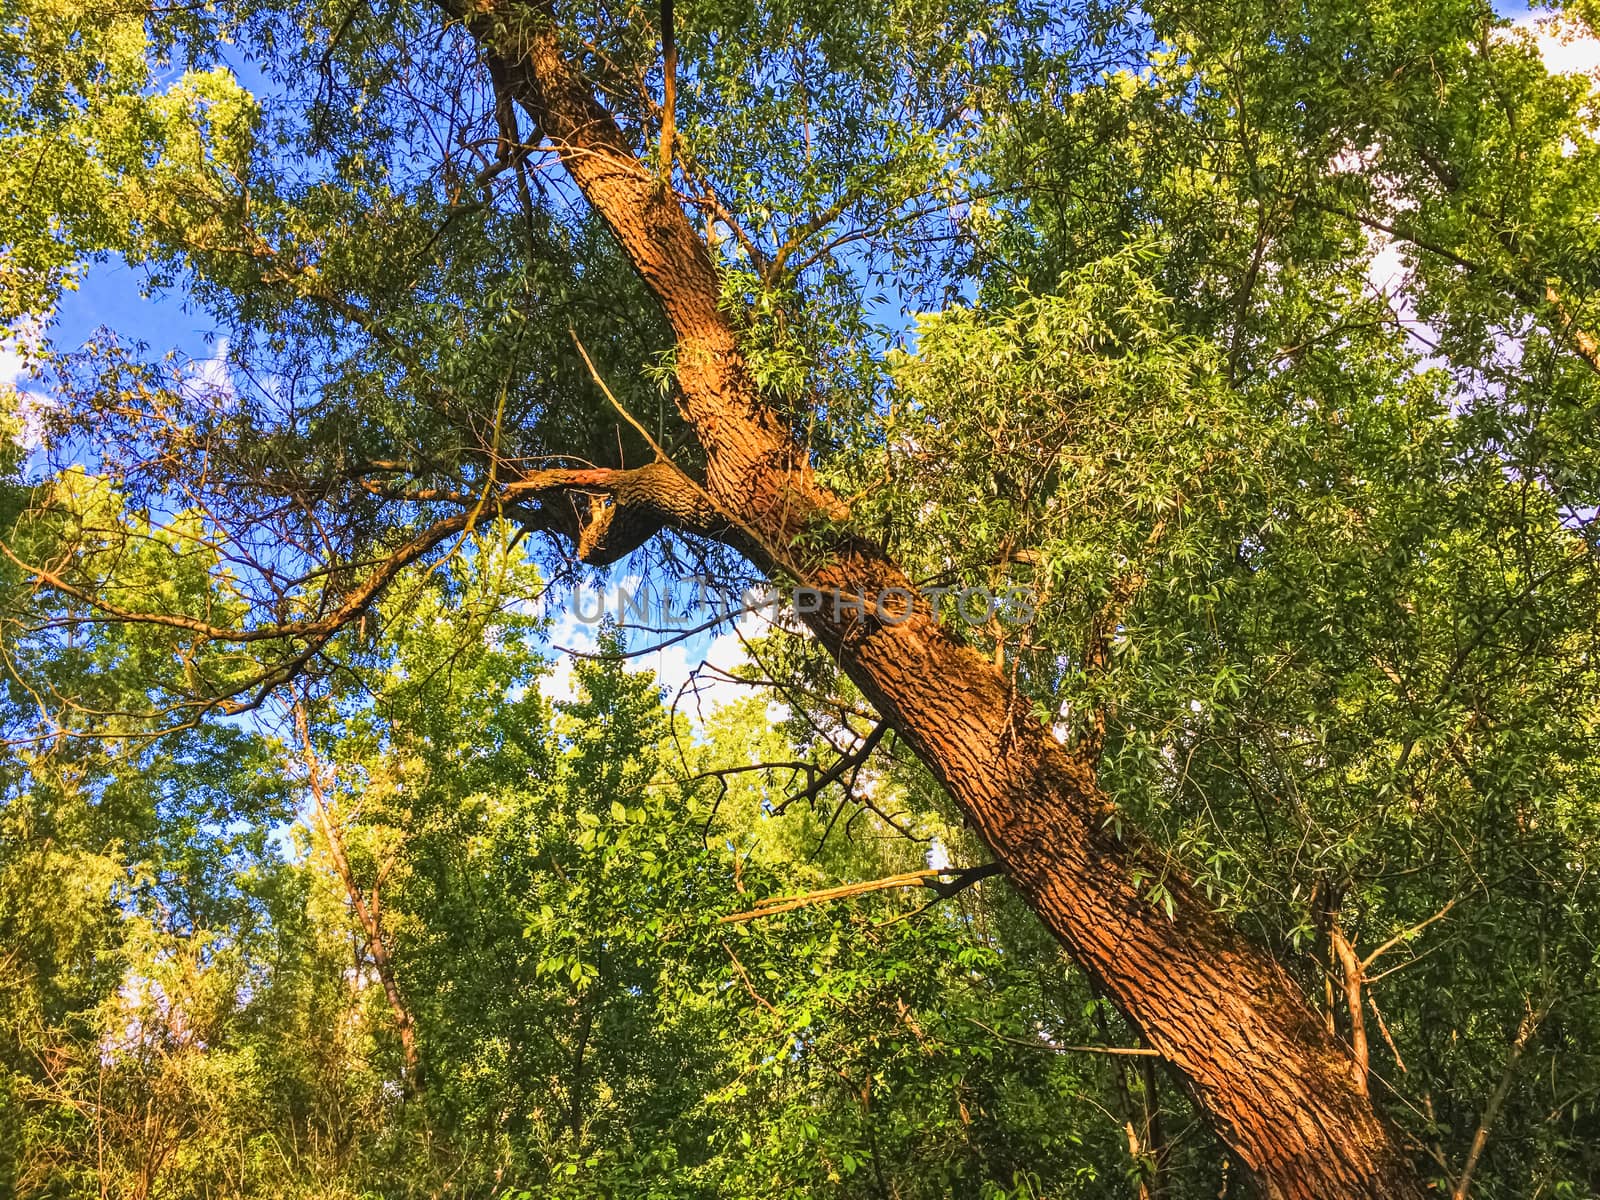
(111, 295)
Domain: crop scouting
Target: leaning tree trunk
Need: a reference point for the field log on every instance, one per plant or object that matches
(1275, 1085)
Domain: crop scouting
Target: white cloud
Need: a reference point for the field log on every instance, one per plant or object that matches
(1389, 277)
(694, 671)
(559, 684)
(18, 345)
(1352, 160)
(1566, 46)
(10, 364)
(1387, 272)
(209, 378)
(575, 628)
(699, 671)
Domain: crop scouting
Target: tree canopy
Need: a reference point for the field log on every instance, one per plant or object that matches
(1250, 353)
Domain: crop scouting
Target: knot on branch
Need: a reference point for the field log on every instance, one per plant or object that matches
(609, 513)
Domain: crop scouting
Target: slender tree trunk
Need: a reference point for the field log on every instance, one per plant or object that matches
(1155, 1137)
(1274, 1083)
(1350, 968)
(366, 911)
(1140, 1148)
(576, 1088)
(1525, 1030)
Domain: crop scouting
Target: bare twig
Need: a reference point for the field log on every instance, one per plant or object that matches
(1404, 935)
(946, 883)
(744, 978)
(1054, 1048)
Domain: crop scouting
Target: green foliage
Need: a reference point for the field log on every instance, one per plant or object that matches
(1311, 568)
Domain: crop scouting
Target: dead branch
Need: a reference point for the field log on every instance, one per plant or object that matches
(947, 883)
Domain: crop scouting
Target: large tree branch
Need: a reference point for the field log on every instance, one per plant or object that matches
(604, 513)
(751, 455)
(1350, 969)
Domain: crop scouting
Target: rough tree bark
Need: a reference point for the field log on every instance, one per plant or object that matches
(1276, 1086)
